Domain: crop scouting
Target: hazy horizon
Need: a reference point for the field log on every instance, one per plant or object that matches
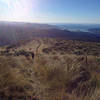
(52, 23)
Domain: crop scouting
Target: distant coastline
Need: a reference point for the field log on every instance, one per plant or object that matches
(76, 27)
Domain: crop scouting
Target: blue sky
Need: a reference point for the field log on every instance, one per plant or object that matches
(51, 11)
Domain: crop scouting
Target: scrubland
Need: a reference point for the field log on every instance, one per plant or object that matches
(60, 70)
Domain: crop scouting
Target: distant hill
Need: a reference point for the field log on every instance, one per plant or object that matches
(95, 30)
(12, 32)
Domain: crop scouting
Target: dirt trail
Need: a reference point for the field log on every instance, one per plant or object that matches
(37, 49)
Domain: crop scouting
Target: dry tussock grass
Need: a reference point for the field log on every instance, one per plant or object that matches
(60, 77)
(72, 76)
(14, 85)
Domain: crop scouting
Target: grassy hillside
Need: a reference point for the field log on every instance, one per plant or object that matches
(60, 70)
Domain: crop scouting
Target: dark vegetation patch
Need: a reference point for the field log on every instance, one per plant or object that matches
(74, 47)
(17, 53)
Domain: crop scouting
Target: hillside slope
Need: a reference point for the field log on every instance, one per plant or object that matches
(56, 72)
(11, 32)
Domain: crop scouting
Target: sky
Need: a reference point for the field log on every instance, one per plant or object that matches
(51, 11)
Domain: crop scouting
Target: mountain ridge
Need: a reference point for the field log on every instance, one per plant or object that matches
(13, 32)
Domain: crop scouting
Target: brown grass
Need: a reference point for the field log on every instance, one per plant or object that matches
(69, 77)
(59, 75)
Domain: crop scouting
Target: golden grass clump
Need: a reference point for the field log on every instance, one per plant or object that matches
(70, 74)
